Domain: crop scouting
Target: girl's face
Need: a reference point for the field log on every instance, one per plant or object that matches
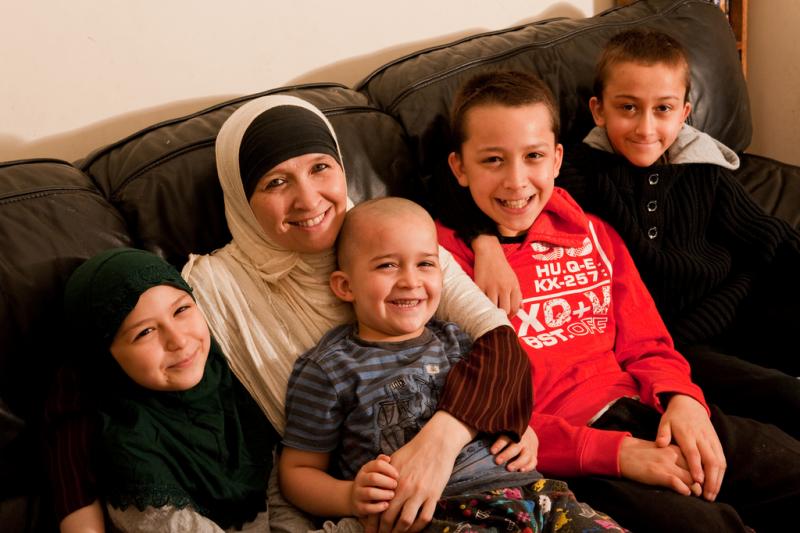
(300, 203)
(508, 161)
(164, 342)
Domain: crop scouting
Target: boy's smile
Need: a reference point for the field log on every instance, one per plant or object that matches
(393, 278)
(642, 110)
(508, 160)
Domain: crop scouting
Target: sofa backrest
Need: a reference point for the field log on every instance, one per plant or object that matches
(418, 89)
(52, 217)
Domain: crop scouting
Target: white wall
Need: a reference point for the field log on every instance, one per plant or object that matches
(79, 74)
(773, 65)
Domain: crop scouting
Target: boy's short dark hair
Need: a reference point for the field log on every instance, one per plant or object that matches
(647, 47)
(508, 88)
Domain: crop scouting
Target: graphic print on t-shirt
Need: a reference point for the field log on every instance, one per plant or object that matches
(567, 293)
(410, 401)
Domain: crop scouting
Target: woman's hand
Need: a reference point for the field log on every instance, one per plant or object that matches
(424, 464)
(373, 488)
(646, 462)
(686, 421)
(494, 276)
(523, 452)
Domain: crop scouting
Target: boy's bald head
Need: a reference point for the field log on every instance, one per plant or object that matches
(370, 213)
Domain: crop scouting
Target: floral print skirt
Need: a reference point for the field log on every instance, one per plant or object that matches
(544, 506)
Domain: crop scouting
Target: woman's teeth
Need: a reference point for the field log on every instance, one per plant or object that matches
(309, 222)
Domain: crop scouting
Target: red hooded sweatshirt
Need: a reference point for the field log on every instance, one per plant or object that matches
(592, 333)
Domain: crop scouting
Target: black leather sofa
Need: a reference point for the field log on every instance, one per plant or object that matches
(157, 189)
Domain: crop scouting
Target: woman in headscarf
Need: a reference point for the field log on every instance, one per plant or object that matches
(182, 446)
(266, 298)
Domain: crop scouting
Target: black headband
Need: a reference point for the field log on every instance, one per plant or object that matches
(278, 134)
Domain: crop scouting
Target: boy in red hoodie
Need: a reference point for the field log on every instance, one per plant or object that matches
(615, 405)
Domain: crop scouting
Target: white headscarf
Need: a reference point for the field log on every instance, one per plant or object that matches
(267, 305)
(264, 304)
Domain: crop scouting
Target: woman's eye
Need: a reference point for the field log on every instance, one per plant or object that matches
(275, 182)
(181, 309)
(535, 155)
(664, 108)
(319, 167)
(492, 159)
(427, 264)
(628, 107)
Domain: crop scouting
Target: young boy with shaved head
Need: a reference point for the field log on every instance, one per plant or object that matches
(370, 386)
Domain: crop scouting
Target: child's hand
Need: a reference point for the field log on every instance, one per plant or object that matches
(646, 462)
(686, 422)
(494, 276)
(372, 490)
(523, 452)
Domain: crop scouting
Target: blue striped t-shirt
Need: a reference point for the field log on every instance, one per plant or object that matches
(356, 399)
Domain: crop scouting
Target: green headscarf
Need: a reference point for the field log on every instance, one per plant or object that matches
(160, 448)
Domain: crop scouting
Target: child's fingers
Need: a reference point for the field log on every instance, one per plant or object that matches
(504, 302)
(387, 470)
(371, 508)
(380, 466)
(680, 484)
(374, 495)
(516, 301)
(493, 296)
(694, 461)
(524, 462)
(501, 442)
(675, 475)
(664, 435)
(508, 453)
(377, 479)
(695, 487)
(522, 454)
(714, 470)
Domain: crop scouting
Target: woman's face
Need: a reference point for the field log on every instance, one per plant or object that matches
(164, 341)
(300, 203)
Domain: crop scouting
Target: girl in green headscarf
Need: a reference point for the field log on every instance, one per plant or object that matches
(183, 446)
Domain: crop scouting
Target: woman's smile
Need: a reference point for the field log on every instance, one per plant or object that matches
(310, 222)
(300, 204)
